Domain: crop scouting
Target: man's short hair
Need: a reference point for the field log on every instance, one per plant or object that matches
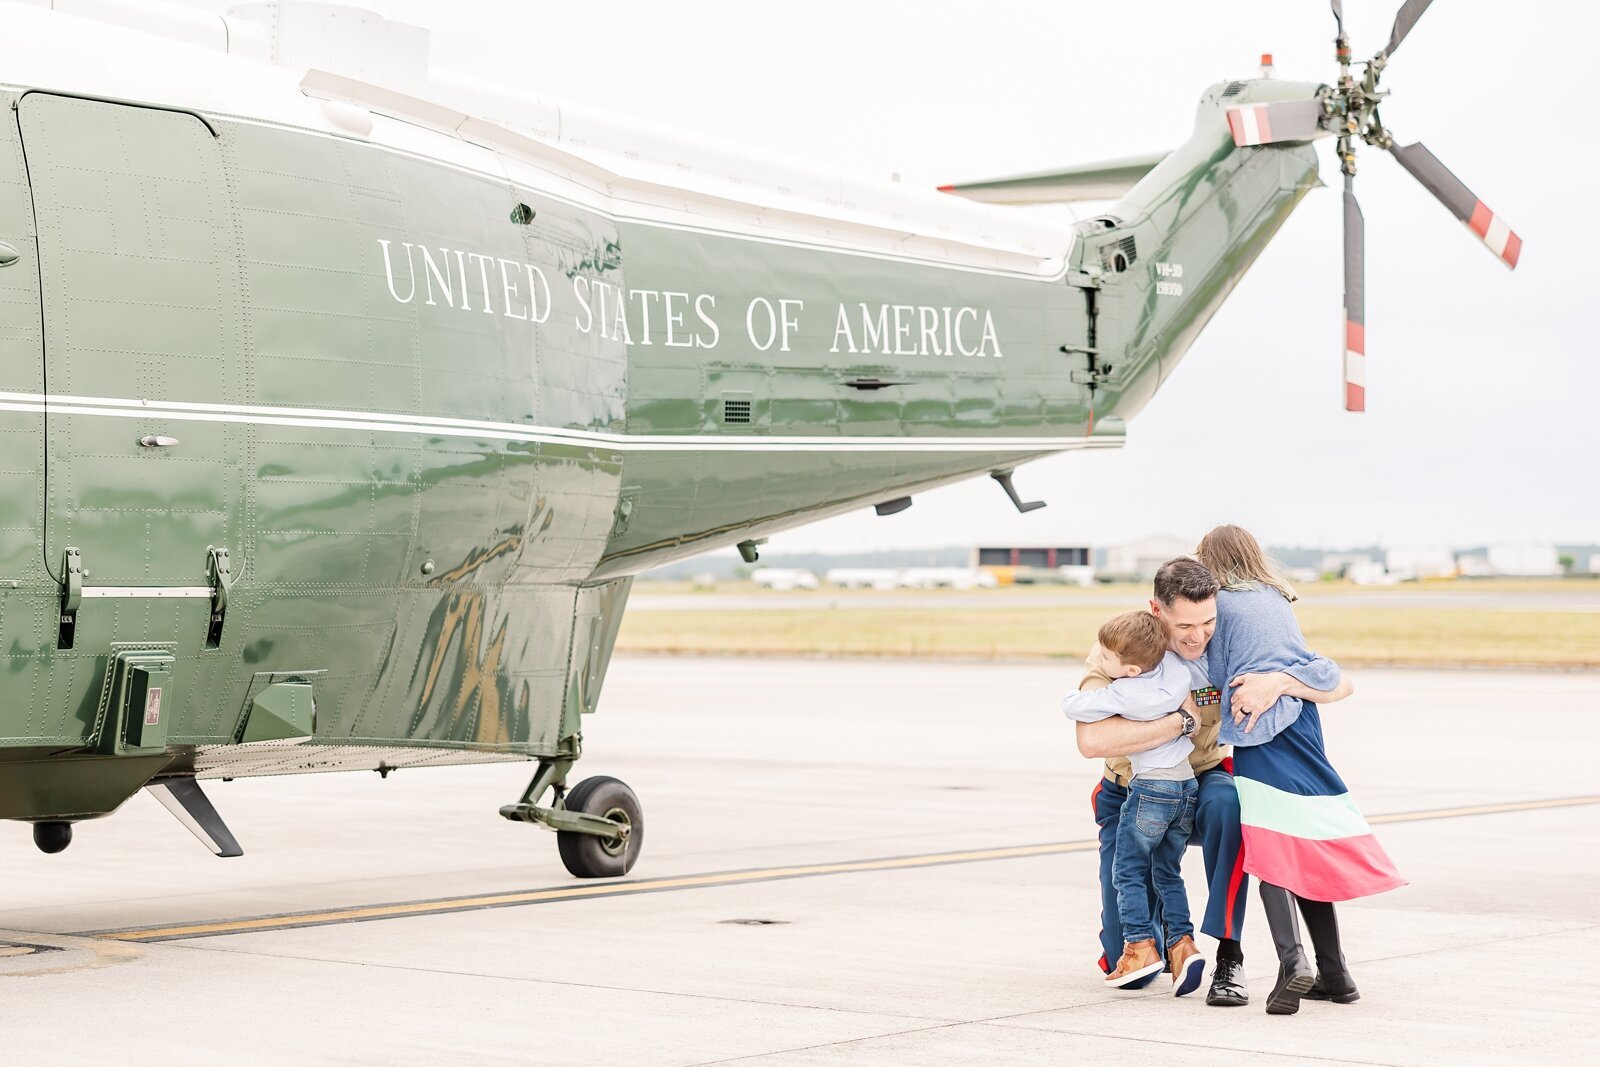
(1135, 637)
(1186, 579)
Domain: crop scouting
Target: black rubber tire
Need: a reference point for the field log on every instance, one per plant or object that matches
(587, 856)
(52, 837)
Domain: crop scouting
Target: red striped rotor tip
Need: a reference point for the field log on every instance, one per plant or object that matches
(1355, 366)
(1355, 338)
(1500, 238)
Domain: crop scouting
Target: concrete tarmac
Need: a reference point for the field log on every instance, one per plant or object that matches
(848, 934)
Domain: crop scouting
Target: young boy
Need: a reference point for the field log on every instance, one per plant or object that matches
(1158, 816)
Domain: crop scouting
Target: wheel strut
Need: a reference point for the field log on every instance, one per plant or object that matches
(553, 775)
(599, 824)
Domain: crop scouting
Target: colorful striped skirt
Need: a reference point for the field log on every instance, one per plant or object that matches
(1301, 829)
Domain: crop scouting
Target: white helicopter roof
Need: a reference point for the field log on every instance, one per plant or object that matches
(348, 72)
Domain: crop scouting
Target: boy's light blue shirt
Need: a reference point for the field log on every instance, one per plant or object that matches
(1142, 698)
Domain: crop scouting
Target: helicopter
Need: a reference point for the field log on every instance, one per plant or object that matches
(343, 402)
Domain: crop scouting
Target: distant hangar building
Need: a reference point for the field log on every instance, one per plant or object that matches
(1142, 558)
(1014, 563)
(1006, 556)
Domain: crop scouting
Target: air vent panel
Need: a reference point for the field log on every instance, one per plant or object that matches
(736, 412)
(1098, 225)
(1233, 89)
(1118, 256)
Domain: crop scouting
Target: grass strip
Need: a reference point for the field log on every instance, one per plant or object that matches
(1388, 636)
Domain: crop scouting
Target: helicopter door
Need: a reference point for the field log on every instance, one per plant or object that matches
(143, 366)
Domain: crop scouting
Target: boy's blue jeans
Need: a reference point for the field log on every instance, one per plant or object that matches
(1216, 834)
(1154, 828)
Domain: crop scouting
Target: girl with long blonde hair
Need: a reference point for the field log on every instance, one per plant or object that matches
(1303, 837)
(1234, 558)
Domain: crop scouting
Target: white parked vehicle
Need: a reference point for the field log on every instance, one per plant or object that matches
(1077, 574)
(947, 578)
(783, 579)
(1373, 573)
(863, 578)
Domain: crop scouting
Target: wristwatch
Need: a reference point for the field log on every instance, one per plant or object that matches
(1190, 723)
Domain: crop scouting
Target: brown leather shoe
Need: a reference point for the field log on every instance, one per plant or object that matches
(1139, 960)
(1188, 966)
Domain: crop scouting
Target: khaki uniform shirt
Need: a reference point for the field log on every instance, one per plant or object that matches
(1206, 755)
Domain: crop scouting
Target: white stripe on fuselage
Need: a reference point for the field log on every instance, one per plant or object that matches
(620, 209)
(441, 426)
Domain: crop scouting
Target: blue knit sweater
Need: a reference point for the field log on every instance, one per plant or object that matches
(1257, 633)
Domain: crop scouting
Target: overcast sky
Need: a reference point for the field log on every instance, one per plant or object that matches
(1481, 382)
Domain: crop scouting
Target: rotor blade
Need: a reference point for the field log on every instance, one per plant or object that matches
(1355, 301)
(1410, 12)
(1437, 179)
(1338, 16)
(1287, 120)
(1092, 181)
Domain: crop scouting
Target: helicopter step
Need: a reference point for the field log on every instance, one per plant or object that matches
(599, 823)
(184, 798)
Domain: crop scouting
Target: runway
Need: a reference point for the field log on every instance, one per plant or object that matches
(1580, 600)
(845, 862)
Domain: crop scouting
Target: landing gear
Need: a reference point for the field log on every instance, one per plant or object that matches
(588, 856)
(52, 837)
(599, 824)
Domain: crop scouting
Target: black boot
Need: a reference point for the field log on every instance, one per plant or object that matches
(1333, 977)
(1294, 971)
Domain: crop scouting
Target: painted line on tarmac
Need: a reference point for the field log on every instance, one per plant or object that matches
(1482, 809)
(597, 890)
(586, 891)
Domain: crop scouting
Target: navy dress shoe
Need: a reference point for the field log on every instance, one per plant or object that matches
(1227, 985)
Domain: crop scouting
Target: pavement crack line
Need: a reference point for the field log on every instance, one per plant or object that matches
(567, 983)
(1266, 975)
(667, 884)
(1483, 944)
(1007, 1021)
(1279, 1057)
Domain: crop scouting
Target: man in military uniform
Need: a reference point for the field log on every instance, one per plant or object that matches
(1186, 602)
